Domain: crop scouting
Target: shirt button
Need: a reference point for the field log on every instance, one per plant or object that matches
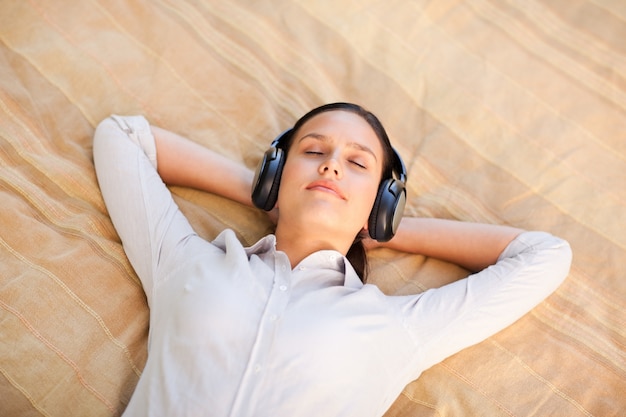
(273, 317)
(257, 368)
(283, 288)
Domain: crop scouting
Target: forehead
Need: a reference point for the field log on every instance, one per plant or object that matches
(342, 126)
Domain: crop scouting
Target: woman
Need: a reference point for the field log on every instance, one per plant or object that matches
(286, 327)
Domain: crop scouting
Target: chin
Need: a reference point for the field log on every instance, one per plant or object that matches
(333, 226)
(322, 217)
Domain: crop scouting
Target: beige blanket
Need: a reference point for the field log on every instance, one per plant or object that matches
(505, 112)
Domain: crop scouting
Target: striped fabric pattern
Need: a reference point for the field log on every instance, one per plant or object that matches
(505, 112)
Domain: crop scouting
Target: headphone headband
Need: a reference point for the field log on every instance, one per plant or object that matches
(278, 142)
(398, 166)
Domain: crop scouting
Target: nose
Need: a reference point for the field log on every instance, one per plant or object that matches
(331, 166)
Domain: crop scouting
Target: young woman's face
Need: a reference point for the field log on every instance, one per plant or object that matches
(331, 175)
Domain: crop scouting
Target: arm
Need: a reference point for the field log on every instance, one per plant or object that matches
(470, 245)
(473, 246)
(457, 315)
(145, 216)
(186, 163)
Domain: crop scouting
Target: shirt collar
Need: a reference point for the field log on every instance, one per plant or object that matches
(321, 260)
(334, 261)
(263, 245)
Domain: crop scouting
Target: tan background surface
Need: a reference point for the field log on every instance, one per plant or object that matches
(508, 113)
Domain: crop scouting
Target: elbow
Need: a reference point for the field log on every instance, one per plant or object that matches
(100, 140)
(563, 259)
(556, 255)
(549, 257)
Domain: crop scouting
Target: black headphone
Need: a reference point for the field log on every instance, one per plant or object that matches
(388, 206)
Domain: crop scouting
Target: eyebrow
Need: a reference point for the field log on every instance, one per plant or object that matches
(325, 138)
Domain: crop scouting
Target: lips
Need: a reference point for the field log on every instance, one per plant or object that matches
(326, 186)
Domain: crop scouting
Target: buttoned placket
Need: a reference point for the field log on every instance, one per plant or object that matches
(270, 320)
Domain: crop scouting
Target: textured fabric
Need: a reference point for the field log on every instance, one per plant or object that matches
(237, 332)
(505, 112)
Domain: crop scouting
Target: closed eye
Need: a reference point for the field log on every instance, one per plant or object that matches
(359, 165)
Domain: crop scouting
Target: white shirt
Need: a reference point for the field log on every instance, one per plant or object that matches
(235, 331)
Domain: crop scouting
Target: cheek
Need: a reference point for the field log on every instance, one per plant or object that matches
(287, 180)
(367, 196)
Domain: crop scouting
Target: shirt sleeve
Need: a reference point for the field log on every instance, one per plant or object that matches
(141, 207)
(445, 320)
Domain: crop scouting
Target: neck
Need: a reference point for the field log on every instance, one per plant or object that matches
(297, 244)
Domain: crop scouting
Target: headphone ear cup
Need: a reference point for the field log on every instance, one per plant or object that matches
(387, 211)
(267, 179)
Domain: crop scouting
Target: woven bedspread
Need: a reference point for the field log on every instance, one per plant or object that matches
(505, 112)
